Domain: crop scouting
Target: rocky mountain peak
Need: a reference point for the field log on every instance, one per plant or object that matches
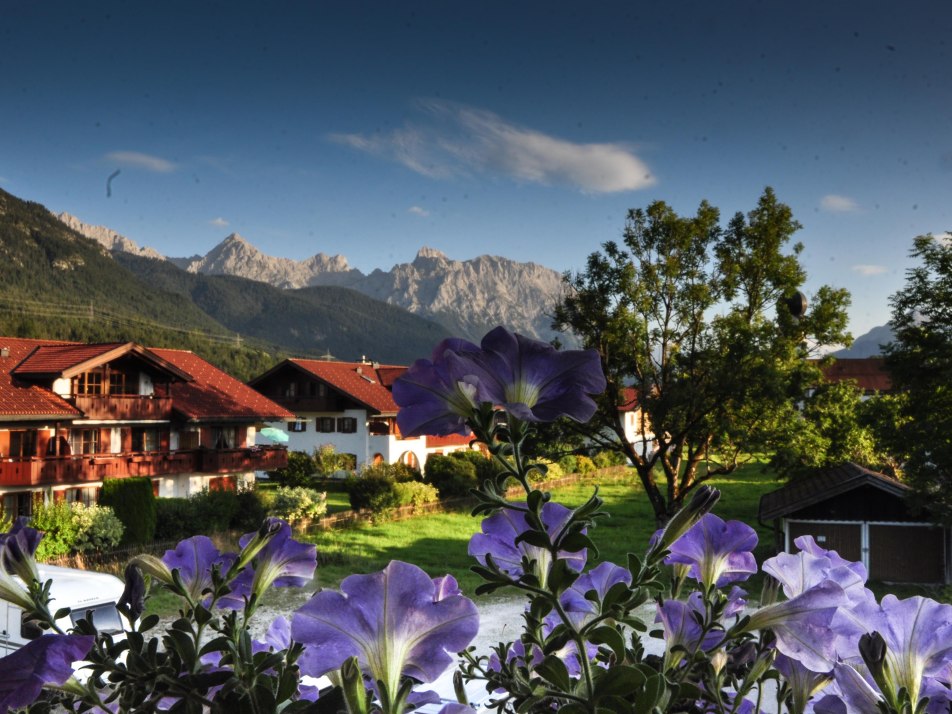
(427, 252)
(106, 237)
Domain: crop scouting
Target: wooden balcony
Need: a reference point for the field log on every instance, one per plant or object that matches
(110, 406)
(62, 470)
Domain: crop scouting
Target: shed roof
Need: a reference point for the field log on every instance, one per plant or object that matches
(823, 485)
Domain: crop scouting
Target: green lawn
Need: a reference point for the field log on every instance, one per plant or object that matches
(438, 542)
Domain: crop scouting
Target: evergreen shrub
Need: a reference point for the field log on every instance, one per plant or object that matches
(451, 476)
(133, 503)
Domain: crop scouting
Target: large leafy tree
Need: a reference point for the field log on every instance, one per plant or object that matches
(694, 319)
(920, 365)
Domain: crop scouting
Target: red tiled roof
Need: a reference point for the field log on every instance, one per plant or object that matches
(629, 400)
(54, 359)
(448, 440)
(67, 360)
(362, 382)
(21, 400)
(214, 395)
(869, 373)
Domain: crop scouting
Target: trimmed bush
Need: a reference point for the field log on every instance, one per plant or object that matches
(373, 488)
(298, 504)
(175, 519)
(485, 467)
(415, 493)
(133, 503)
(451, 476)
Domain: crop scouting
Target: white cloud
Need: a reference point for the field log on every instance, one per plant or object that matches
(218, 222)
(461, 140)
(838, 204)
(866, 269)
(135, 159)
(418, 211)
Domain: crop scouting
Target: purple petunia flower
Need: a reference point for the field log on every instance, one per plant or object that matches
(681, 622)
(918, 635)
(194, 559)
(718, 552)
(283, 562)
(498, 540)
(799, 572)
(398, 622)
(533, 381)
(437, 395)
(45, 660)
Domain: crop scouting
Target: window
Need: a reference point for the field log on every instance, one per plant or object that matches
(118, 383)
(189, 439)
(297, 426)
(324, 425)
(290, 389)
(22, 444)
(89, 383)
(84, 441)
(145, 439)
(224, 437)
(347, 425)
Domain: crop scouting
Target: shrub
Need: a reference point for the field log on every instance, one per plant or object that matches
(330, 464)
(553, 470)
(97, 528)
(607, 459)
(451, 476)
(415, 493)
(485, 467)
(372, 489)
(214, 511)
(56, 522)
(584, 466)
(297, 503)
(252, 509)
(300, 470)
(568, 464)
(133, 503)
(175, 519)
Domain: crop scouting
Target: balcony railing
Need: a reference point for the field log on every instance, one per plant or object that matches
(79, 469)
(96, 406)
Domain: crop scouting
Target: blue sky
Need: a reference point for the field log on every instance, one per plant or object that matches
(523, 129)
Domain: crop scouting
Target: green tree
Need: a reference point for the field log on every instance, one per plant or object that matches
(919, 361)
(693, 316)
(831, 425)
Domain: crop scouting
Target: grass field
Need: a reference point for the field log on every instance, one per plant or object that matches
(438, 542)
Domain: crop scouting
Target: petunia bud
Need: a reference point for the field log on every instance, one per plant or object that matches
(872, 648)
(352, 686)
(719, 660)
(132, 600)
(701, 503)
(268, 530)
(150, 565)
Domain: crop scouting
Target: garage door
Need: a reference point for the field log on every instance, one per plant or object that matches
(906, 554)
(844, 538)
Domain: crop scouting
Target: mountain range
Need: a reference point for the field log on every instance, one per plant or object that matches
(465, 297)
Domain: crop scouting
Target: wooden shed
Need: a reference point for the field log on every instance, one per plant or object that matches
(863, 515)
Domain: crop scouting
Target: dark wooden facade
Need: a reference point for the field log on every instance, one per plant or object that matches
(864, 516)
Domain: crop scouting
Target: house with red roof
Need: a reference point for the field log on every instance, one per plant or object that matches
(347, 405)
(73, 414)
(868, 374)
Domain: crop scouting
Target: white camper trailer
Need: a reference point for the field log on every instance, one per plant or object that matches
(81, 591)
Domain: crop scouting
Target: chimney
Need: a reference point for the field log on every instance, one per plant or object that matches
(4, 351)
